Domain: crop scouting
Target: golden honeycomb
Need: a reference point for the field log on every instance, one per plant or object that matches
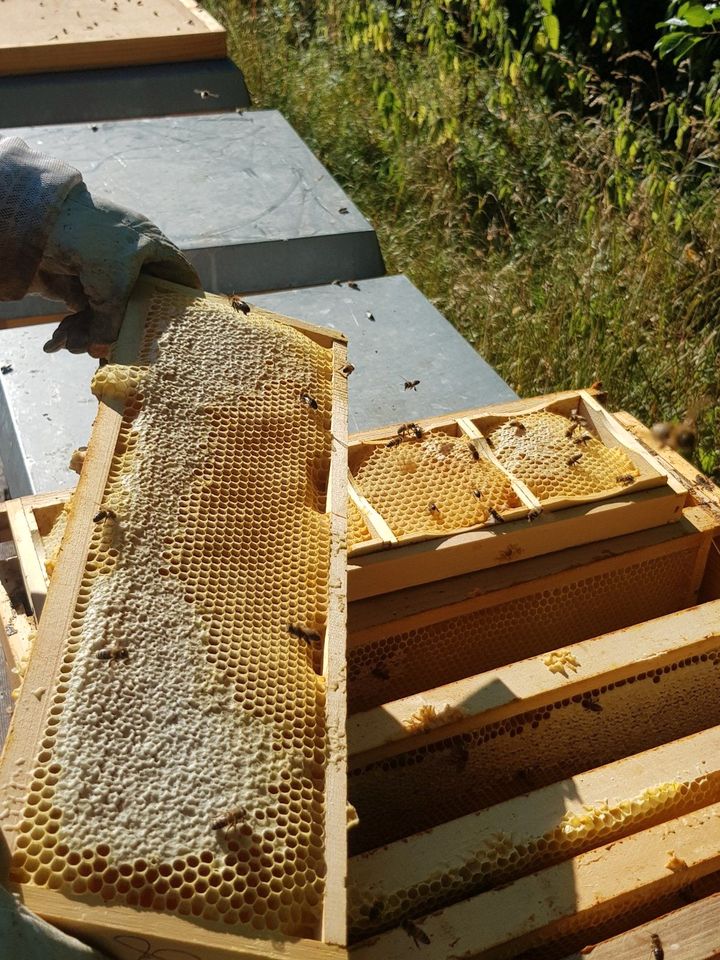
(531, 749)
(357, 528)
(434, 484)
(502, 858)
(53, 540)
(574, 609)
(182, 764)
(540, 455)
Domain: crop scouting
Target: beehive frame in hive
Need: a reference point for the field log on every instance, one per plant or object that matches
(119, 926)
(385, 554)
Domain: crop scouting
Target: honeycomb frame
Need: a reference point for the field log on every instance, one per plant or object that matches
(393, 555)
(108, 923)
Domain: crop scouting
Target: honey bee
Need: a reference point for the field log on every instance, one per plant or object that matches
(520, 428)
(478, 493)
(395, 442)
(104, 514)
(380, 671)
(237, 303)
(489, 442)
(207, 94)
(625, 480)
(343, 210)
(410, 429)
(475, 453)
(230, 819)
(571, 429)
(413, 930)
(308, 400)
(353, 285)
(433, 507)
(370, 316)
(574, 459)
(590, 704)
(657, 948)
(348, 369)
(496, 518)
(412, 385)
(308, 636)
(114, 654)
(534, 514)
(585, 438)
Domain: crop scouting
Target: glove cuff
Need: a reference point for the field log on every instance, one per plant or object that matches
(33, 188)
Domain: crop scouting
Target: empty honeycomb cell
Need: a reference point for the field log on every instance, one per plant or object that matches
(432, 485)
(408, 662)
(196, 640)
(553, 464)
(357, 528)
(524, 752)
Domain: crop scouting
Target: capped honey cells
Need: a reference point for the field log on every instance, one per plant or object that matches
(432, 483)
(557, 456)
(182, 763)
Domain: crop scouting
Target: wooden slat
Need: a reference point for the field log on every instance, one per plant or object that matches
(564, 899)
(375, 618)
(127, 934)
(407, 871)
(334, 922)
(527, 684)
(690, 933)
(49, 35)
(31, 565)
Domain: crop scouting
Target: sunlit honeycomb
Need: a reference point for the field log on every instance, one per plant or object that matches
(433, 485)
(500, 857)
(53, 540)
(470, 771)
(553, 464)
(357, 528)
(567, 608)
(182, 764)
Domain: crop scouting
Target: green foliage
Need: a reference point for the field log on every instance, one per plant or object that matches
(551, 186)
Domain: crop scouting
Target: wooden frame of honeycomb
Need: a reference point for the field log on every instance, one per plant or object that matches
(421, 501)
(533, 748)
(220, 385)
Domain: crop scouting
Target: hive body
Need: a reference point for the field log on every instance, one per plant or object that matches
(182, 761)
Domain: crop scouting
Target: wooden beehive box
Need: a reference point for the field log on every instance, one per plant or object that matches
(174, 778)
(533, 749)
(51, 35)
(420, 498)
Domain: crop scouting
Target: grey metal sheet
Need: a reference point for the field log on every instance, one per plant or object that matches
(408, 339)
(46, 409)
(155, 90)
(240, 193)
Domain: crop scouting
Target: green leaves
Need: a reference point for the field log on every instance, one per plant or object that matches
(552, 29)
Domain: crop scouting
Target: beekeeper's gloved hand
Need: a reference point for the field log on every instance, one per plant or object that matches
(57, 240)
(24, 936)
(92, 258)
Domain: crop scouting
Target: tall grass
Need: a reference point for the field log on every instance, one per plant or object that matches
(569, 232)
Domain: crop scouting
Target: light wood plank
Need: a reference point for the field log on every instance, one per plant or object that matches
(47, 35)
(527, 684)
(375, 618)
(566, 898)
(334, 922)
(692, 932)
(595, 807)
(127, 934)
(31, 566)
